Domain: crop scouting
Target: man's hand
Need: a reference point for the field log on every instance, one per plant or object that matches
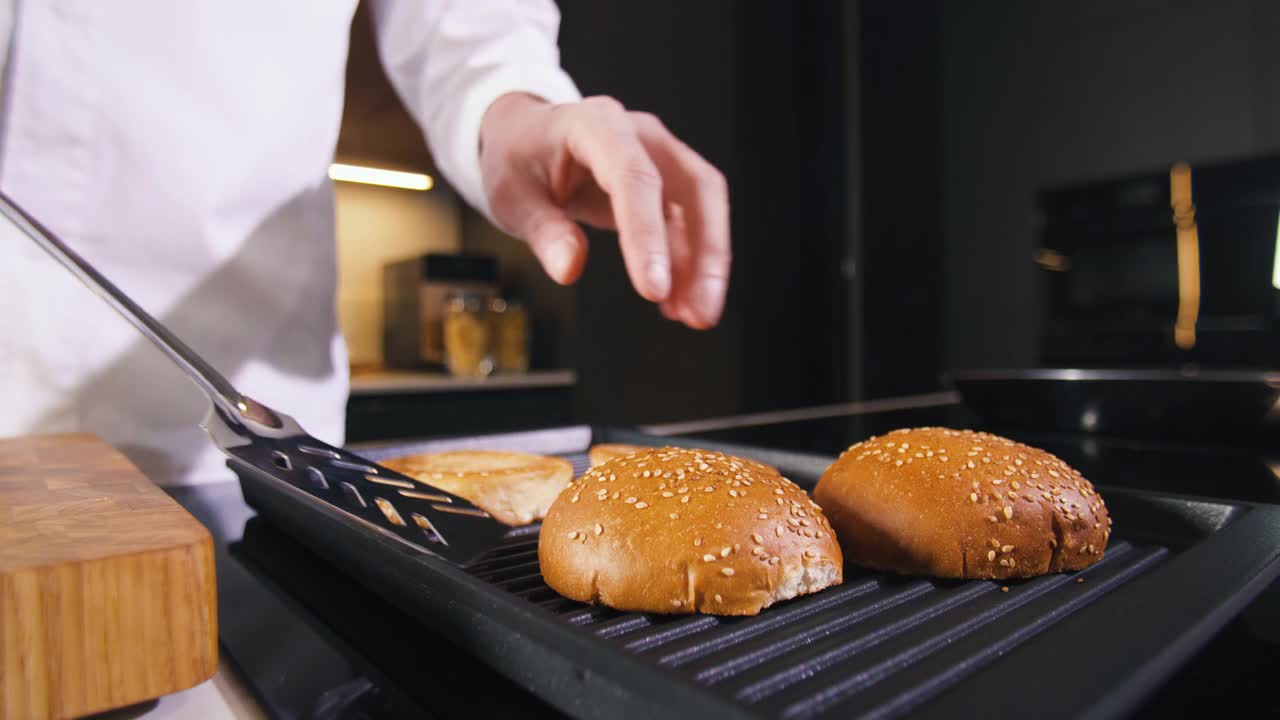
(545, 167)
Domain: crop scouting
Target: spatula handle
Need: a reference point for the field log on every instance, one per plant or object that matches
(220, 391)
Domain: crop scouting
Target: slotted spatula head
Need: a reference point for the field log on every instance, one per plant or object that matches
(444, 524)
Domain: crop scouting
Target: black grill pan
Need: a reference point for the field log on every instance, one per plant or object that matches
(1093, 642)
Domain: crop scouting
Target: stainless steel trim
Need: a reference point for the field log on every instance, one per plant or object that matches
(1153, 375)
(864, 407)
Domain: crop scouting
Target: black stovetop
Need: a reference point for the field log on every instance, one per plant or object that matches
(311, 643)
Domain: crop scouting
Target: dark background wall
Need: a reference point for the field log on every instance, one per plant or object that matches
(759, 90)
(1038, 94)
(884, 160)
(900, 163)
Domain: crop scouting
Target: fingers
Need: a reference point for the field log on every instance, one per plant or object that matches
(556, 240)
(674, 307)
(600, 137)
(693, 184)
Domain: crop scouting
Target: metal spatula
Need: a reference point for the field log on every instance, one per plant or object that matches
(274, 444)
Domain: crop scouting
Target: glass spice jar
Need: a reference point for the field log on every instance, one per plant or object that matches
(467, 343)
(509, 327)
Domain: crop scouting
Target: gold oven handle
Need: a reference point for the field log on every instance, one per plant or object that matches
(1184, 219)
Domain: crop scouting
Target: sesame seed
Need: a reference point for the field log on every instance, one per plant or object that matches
(778, 531)
(1008, 513)
(673, 516)
(724, 552)
(718, 598)
(993, 518)
(810, 554)
(991, 555)
(733, 493)
(1004, 562)
(668, 494)
(599, 528)
(727, 572)
(573, 534)
(997, 481)
(994, 543)
(1015, 485)
(973, 497)
(677, 603)
(1004, 588)
(708, 488)
(708, 558)
(756, 537)
(774, 560)
(684, 499)
(1006, 548)
(793, 522)
(777, 491)
(683, 490)
(971, 465)
(573, 499)
(1079, 580)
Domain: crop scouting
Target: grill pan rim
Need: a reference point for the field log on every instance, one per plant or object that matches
(620, 681)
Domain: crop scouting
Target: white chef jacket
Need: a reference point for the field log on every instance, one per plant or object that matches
(182, 148)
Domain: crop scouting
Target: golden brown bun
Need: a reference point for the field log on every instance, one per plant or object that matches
(682, 531)
(961, 504)
(607, 451)
(515, 488)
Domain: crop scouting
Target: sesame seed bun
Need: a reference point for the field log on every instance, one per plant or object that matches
(683, 531)
(515, 488)
(605, 452)
(962, 504)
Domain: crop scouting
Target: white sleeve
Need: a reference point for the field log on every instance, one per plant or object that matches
(450, 59)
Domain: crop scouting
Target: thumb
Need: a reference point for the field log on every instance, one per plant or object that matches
(556, 240)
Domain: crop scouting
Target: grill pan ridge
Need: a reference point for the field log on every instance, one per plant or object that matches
(876, 646)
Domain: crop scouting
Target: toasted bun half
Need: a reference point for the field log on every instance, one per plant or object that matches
(605, 452)
(683, 531)
(515, 488)
(962, 504)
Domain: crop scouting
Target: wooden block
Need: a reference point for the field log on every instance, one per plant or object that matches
(107, 594)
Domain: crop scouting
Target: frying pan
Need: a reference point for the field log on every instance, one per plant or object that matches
(1218, 407)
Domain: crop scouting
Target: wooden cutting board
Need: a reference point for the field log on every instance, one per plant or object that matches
(107, 593)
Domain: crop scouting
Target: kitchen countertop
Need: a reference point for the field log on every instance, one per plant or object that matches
(311, 643)
(403, 381)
